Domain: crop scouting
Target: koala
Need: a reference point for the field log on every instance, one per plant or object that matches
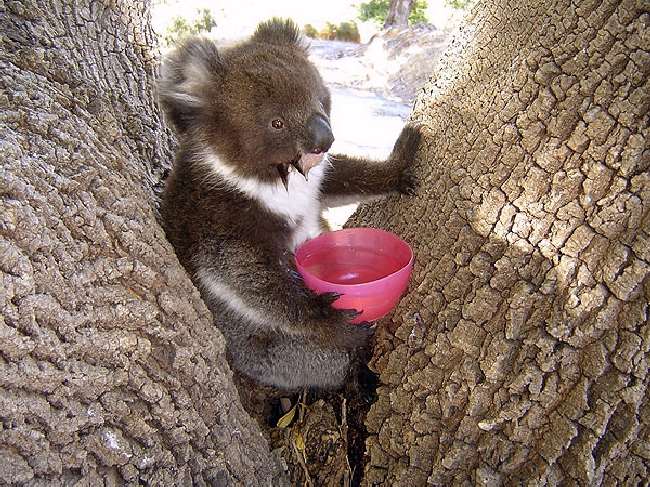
(250, 179)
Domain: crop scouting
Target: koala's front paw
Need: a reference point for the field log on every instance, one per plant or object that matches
(324, 309)
(407, 144)
(343, 334)
(403, 155)
(323, 304)
(326, 299)
(408, 183)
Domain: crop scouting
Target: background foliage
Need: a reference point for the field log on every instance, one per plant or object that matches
(180, 27)
(377, 10)
(460, 4)
(345, 31)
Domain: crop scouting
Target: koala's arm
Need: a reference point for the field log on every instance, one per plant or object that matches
(350, 177)
(270, 294)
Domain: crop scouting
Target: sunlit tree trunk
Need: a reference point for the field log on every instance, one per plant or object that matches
(398, 14)
(520, 354)
(111, 370)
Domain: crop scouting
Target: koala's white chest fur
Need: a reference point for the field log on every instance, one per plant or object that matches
(299, 206)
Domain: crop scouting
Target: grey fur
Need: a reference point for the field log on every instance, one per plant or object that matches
(238, 250)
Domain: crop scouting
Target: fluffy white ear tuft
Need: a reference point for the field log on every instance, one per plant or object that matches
(184, 74)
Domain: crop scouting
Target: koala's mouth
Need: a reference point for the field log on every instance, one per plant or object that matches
(301, 163)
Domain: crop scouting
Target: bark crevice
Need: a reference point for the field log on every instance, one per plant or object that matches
(528, 361)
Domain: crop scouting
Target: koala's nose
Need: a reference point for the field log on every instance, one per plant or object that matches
(319, 134)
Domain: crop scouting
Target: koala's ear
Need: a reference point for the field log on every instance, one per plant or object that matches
(184, 76)
(279, 32)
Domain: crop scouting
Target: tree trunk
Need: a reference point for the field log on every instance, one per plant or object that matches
(398, 14)
(520, 354)
(111, 369)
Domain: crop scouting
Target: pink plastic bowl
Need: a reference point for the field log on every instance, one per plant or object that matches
(369, 267)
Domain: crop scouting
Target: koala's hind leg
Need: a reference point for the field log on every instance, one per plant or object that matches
(289, 362)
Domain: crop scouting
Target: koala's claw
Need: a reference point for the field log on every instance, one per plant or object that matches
(323, 304)
(408, 183)
(329, 298)
(368, 328)
(403, 155)
(350, 314)
(325, 310)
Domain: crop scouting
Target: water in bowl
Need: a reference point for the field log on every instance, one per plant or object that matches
(344, 265)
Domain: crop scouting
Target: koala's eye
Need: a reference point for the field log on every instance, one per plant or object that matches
(277, 124)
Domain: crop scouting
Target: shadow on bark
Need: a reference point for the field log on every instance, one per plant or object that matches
(520, 353)
(111, 369)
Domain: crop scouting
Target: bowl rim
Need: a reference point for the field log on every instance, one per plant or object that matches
(303, 271)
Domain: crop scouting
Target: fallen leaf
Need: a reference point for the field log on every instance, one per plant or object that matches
(299, 441)
(285, 420)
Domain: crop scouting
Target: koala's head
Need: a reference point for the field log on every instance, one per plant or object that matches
(261, 106)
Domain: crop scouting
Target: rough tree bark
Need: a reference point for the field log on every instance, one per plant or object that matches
(520, 355)
(111, 370)
(398, 14)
